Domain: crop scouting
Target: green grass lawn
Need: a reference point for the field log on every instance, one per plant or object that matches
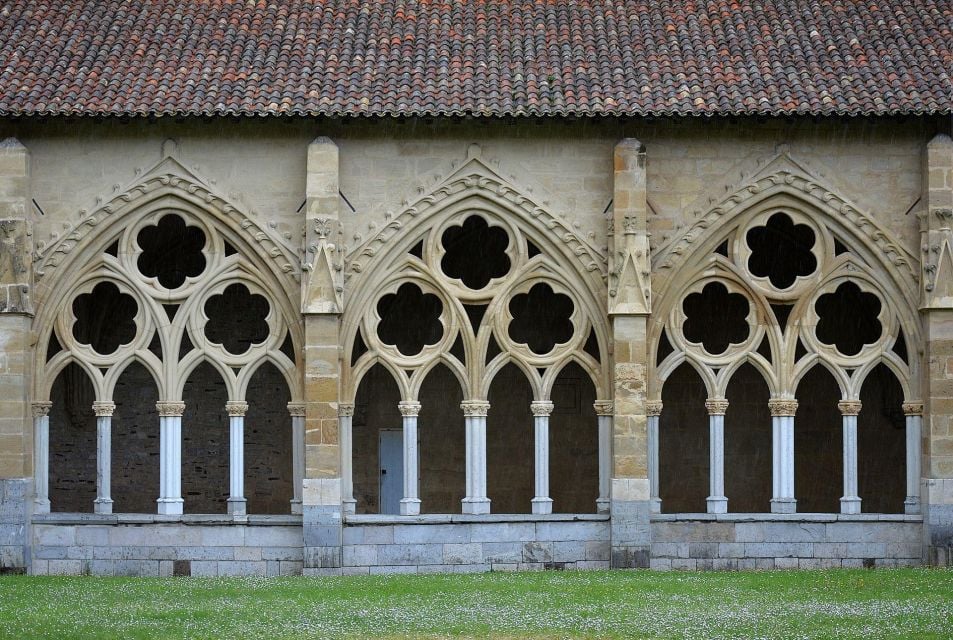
(912, 603)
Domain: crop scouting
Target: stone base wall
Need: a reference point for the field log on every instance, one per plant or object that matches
(14, 519)
(466, 544)
(152, 546)
(143, 545)
(799, 541)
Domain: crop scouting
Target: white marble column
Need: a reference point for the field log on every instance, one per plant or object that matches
(410, 503)
(345, 429)
(296, 411)
(782, 449)
(236, 409)
(717, 502)
(170, 457)
(542, 503)
(653, 410)
(914, 415)
(104, 414)
(41, 456)
(604, 410)
(849, 409)
(476, 500)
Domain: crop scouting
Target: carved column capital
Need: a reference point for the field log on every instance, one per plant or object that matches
(409, 408)
(541, 407)
(603, 407)
(913, 408)
(849, 407)
(42, 408)
(472, 408)
(236, 408)
(782, 407)
(296, 409)
(104, 408)
(170, 408)
(653, 408)
(716, 406)
(345, 409)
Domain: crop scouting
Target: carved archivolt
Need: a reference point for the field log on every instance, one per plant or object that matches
(842, 256)
(172, 326)
(540, 256)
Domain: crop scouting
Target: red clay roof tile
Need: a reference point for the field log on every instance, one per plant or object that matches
(475, 57)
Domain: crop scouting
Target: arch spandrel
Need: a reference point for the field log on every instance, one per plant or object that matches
(849, 245)
(259, 260)
(574, 268)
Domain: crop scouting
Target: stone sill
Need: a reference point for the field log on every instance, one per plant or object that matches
(456, 518)
(785, 517)
(152, 518)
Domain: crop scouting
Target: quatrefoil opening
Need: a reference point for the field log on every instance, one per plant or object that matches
(105, 318)
(848, 319)
(237, 319)
(541, 319)
(409, 319)
(475, 253)
(716, 318)
(781, 251)
(171, 251)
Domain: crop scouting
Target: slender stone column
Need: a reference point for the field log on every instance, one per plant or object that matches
(104, 414)
(236, 410)
(914, 414)
(474, 412)
(717, 502)
(345, 420)
(170, 456)
(410, 503)
(849, 409)
(296, 411)
(541, 409)
(653, 410)
(782, 448)
(604, 411)
(41, 456)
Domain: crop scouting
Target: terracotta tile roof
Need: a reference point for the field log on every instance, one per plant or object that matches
(480, 57)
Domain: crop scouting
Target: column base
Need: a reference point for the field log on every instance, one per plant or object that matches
(237, 506)
(911, 506)
(602, 505)
(170, 506)
(349, 506)
(410, 507)
(102, 505)
(542, 506)
(783, 505)
(717, 504)
(476, 506)
(850, 505)
(41, 506)
(655, 505)
(296, 509)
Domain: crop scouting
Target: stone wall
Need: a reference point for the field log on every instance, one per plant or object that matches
(14, 525)
(798, 541)
(129, 545)
(466, 544)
